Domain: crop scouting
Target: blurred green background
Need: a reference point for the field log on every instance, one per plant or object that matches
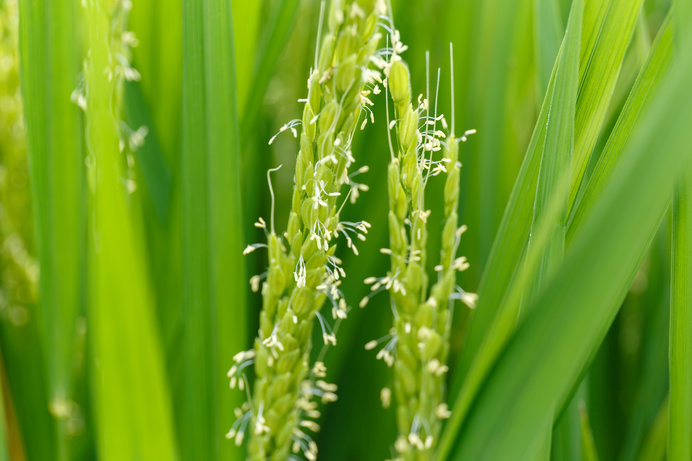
(504, 55)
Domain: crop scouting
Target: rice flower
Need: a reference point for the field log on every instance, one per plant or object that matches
(303, 270)
(418, 344)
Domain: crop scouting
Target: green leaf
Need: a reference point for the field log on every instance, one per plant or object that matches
(214, 278)
(548, 31)
(128, 384)
(558, 145)
(683, 15)
(634, 108)
(556, 161)
(567, 434)
(246, 22)
(49, 47)
(588, 445)
(652, 383)
(158, 28)
(604, 60)
(654, 448)
(499, 29)
(553, 345)
(680, 341)
(511, 238)
(282, 18)
(156, 175)
(679, 441)
(552, 143)
(157, 25)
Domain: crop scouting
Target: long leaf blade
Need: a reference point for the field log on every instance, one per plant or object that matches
(511, 238)
(552, 346)
(214, 296)
(49, 46)
(128, 379)
(550, 151)
(680, 341)
(679, 440)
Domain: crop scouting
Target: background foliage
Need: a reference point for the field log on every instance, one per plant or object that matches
(583, 138)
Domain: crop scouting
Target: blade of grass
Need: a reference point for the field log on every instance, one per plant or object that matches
(281, 20)
(647, 81)
(609, 433)
(552, 143)
(595, 93)
(515, 95)
(514, 229)
(214, 278)
(567, 434)
(128, 380)
(637, 57)
(553, 345)
(246, 22)
(643, 95)
(680, 346)
(588, 446)
(652, 382)
(556, 152)
(548, 31)
(155, 173)
(603, 385)
(24, 368)
(555, 162)
(498, 25)
(49, 46)
(158, 27)
(159, 195)
(654, 448)
(680, 341)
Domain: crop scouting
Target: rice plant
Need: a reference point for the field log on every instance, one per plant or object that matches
(282, 406)
(145, 144)
(418, 345)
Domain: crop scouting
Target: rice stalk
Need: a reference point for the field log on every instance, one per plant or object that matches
(303, 270)
(418, 344)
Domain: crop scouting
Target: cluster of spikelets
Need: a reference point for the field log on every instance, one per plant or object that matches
(303, 271)
(418, 344)
(18, 269)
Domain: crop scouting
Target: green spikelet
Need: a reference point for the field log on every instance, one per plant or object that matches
(420, 345)
(303, 271)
